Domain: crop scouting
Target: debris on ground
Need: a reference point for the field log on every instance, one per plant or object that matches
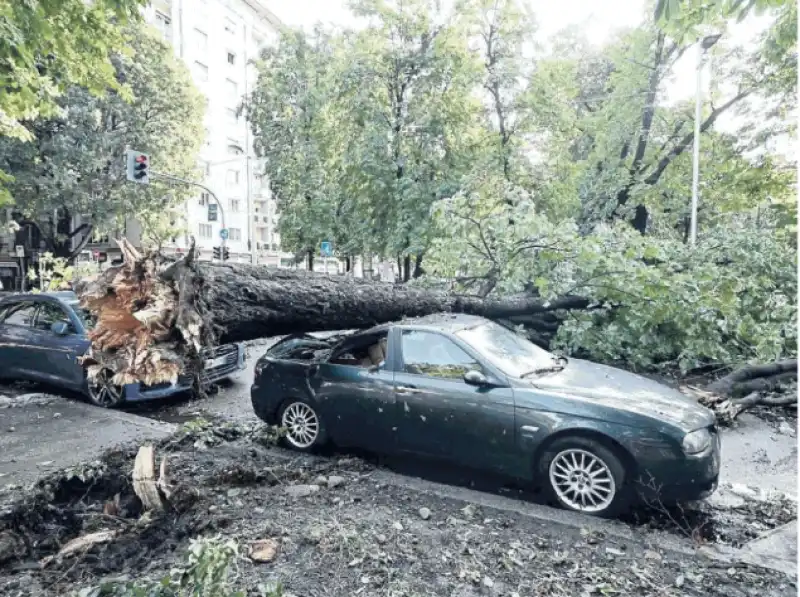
(322, 526)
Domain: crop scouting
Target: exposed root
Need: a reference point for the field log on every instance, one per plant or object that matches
(149, 327)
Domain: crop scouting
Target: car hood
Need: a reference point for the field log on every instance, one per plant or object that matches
(620, 389)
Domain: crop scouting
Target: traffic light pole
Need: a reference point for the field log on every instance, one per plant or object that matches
(205, 188)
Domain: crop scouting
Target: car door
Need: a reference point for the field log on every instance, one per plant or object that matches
(58, 354)
(356, 398)
(17, 344)
(440, 415)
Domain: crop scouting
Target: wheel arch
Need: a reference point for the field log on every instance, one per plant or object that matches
(625, 456)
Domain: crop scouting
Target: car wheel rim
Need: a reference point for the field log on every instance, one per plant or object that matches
(301, 424)
(103, 392)
(582, 480)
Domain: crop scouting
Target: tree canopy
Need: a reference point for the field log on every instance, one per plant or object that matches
(73, 163)
(463, 143)
(47, 46)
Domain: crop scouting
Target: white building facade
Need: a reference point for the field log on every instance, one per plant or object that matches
(217, 39)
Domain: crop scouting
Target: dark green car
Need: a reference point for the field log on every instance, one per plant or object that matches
(469, 391)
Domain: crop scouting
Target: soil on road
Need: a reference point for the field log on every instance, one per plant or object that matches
(339, 529)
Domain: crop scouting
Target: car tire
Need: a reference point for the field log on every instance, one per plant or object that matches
(101, 392)
(584, 475)
(303, 428)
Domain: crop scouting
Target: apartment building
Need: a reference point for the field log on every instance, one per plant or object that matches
(217, 39)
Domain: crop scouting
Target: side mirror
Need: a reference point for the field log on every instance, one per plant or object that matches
(60, 328)
(475, 378)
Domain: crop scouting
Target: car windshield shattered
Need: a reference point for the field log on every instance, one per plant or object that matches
(512, 354)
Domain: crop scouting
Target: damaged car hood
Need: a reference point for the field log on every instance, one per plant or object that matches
(615, 388)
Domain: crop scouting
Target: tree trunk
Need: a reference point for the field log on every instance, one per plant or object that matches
(406, 268)
(155, 315)
(755, 378)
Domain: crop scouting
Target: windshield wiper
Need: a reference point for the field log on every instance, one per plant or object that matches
(559, 364)
(553, 369)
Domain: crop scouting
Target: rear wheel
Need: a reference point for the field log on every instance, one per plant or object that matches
(584, 476)
(101, 392)
(304, 429)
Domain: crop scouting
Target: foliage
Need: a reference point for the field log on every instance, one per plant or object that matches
(658, 302)
(49, 45)
(205, 573)
(455, 137)
(55, 273)
(75, 164)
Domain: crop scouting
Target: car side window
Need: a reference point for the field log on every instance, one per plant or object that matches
(435, 355)
(20, 314)
(48, 314)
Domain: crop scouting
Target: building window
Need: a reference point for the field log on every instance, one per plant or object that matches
(230, 26)
(236, 206)
(204, 198)
(204, 166)
(204, 231)
(208, 144)
(231, 58)
(235, 234)
(201, 71)
(232, 178)
(234, 149)
(233, 118)
(231, 90)
(164, 25)
(201, 42)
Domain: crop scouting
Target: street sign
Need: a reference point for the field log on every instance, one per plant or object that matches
(223, 233)
(20, 250)
(212, 212)
(326, 248)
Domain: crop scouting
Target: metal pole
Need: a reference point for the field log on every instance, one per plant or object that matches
(202, 186)
(698, 108)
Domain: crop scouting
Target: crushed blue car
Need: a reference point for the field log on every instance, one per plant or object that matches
(43, 336)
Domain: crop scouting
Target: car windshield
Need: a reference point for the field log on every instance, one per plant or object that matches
(511, 353)
(87, 319)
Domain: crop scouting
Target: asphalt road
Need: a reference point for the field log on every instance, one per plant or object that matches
(42, 436)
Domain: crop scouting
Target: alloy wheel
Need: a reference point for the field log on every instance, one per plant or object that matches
(104, 393)
(582, 480)
(301, 424)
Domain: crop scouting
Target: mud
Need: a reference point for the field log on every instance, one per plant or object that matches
(339, 531)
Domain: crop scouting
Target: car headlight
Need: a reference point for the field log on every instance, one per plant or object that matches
(697, 441)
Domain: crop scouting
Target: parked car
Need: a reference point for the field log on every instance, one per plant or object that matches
(43, 335)
(471, 392)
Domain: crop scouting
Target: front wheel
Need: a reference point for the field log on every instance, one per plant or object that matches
(304, 430)
(101, 392)
(584, 476)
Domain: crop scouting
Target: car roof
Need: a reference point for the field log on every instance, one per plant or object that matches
(436, 322)
(65, 296)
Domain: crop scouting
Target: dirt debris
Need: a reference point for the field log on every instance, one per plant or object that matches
(349, 536)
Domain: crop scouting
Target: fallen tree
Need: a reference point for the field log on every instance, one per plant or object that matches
(155, 315)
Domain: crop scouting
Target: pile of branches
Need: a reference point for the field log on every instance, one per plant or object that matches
(773, 384)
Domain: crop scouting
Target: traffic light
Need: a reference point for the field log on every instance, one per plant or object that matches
(217, 253)
(225, 254)
(138, 166)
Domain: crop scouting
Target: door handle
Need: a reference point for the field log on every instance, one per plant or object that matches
(408, 390)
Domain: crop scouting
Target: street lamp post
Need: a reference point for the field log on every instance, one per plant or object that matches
(706, 43)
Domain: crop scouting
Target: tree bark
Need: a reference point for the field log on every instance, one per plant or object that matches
(755, 378)
(155, 315)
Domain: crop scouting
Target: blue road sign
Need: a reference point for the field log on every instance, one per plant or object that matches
(326, 248)
(223, 233)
